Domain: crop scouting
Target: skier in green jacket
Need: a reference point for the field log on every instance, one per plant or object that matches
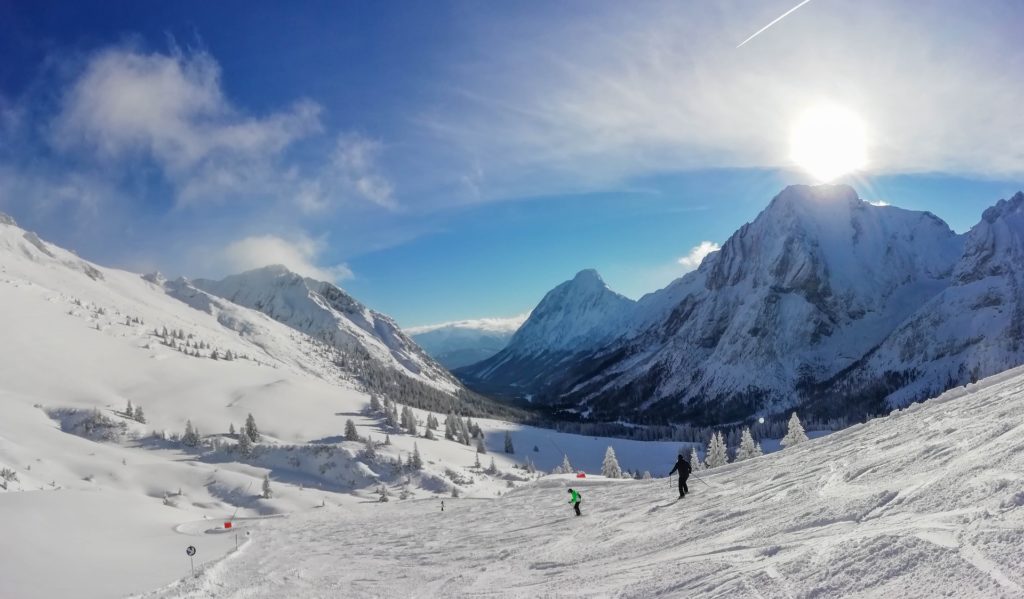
(574, 499)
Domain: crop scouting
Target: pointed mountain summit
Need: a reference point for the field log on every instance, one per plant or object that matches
(575, 317)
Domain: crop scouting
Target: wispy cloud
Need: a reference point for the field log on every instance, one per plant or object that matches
(497, 325)
(170, 108)
(300, 255)
(630, 91)
(697, 254)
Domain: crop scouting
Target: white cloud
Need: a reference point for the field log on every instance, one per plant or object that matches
(299, 255)
(627, 91)
(171, 108)
(879, 203)
(356, 161)
(495, 325)
(698, 253)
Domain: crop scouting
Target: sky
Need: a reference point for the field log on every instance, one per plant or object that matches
(455, 160)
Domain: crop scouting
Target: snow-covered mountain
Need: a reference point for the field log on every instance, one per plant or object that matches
(824, 300)
(465, 342)
(325, 312)
(574, 317)
(972, 329)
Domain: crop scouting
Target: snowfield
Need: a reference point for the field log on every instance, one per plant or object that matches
(928, 502)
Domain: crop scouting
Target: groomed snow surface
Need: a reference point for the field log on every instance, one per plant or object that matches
(928, 502)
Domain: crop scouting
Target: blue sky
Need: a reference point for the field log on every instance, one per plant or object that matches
(454, 160)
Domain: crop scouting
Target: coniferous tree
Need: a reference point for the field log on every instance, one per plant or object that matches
(508, 443)
(416, 461)
(129, 410)
(410, 421)
(191, 437)
(718, 454)
(251, 430)
(375, 405)
(387, 439)
(795, 433)
(455, 491)
(231, 429)
(267, 491)
(245, 445)
(747, 449)
(140, 416)
(480, 447)
(530, 466)
(695, 461)
(449, 426)
(646, 475)
(493, 468)
(351, 434)
(565, 467)
(370, 452)
(429, 434)
(476, 462)
(610, 467)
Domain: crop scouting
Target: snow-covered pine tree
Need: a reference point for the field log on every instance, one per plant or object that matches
(245, 446)
(455, 491)
(695, 461)
(251, 430)
(129, 410)
(384, 493)
(449, 427)
(191, 436)
(416, 461)
(429, 434)
(565, 467)
(464, 435)
(410, 422)
(476, 461)
(231, 429)
(646, 475)
(480, 447)
(387, 439)
(718, 454)
(795, 433)
(267, 491)
(140, 416)
(369, 452)
(493, 468)
(375, 405)
(403, 418)
(508, 443)
(530, 466)
(432, 423)
(610, 467)
(391, 419)
(351, 434)
(747, 449)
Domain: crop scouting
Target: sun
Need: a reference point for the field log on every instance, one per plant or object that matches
(829, 141)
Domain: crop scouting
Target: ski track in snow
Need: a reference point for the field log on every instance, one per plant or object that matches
(925, 503)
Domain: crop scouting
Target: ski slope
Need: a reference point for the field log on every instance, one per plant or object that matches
(928, 502)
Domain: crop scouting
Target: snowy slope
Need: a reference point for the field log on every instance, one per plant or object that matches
(575, 317)
(327, 313)
(465, 342)
(113, 517)
(928, 502)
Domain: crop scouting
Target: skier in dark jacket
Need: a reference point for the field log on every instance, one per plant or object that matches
(574, 499)
(683, 468)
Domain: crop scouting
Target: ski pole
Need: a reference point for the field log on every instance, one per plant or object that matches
(701, 480)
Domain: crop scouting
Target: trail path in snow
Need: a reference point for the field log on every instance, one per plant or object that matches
(928, 502)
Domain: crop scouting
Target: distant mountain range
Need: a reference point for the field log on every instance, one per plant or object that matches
(824, 302)
(465, 342)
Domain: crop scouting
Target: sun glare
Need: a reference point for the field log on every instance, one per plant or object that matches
(829, 142)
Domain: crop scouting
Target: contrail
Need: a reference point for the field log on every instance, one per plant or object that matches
(761, 30)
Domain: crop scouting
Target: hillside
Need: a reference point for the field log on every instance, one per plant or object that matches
(927, 502)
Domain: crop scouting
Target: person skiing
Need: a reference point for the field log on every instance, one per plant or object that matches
(683, 468)
(574, 499)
